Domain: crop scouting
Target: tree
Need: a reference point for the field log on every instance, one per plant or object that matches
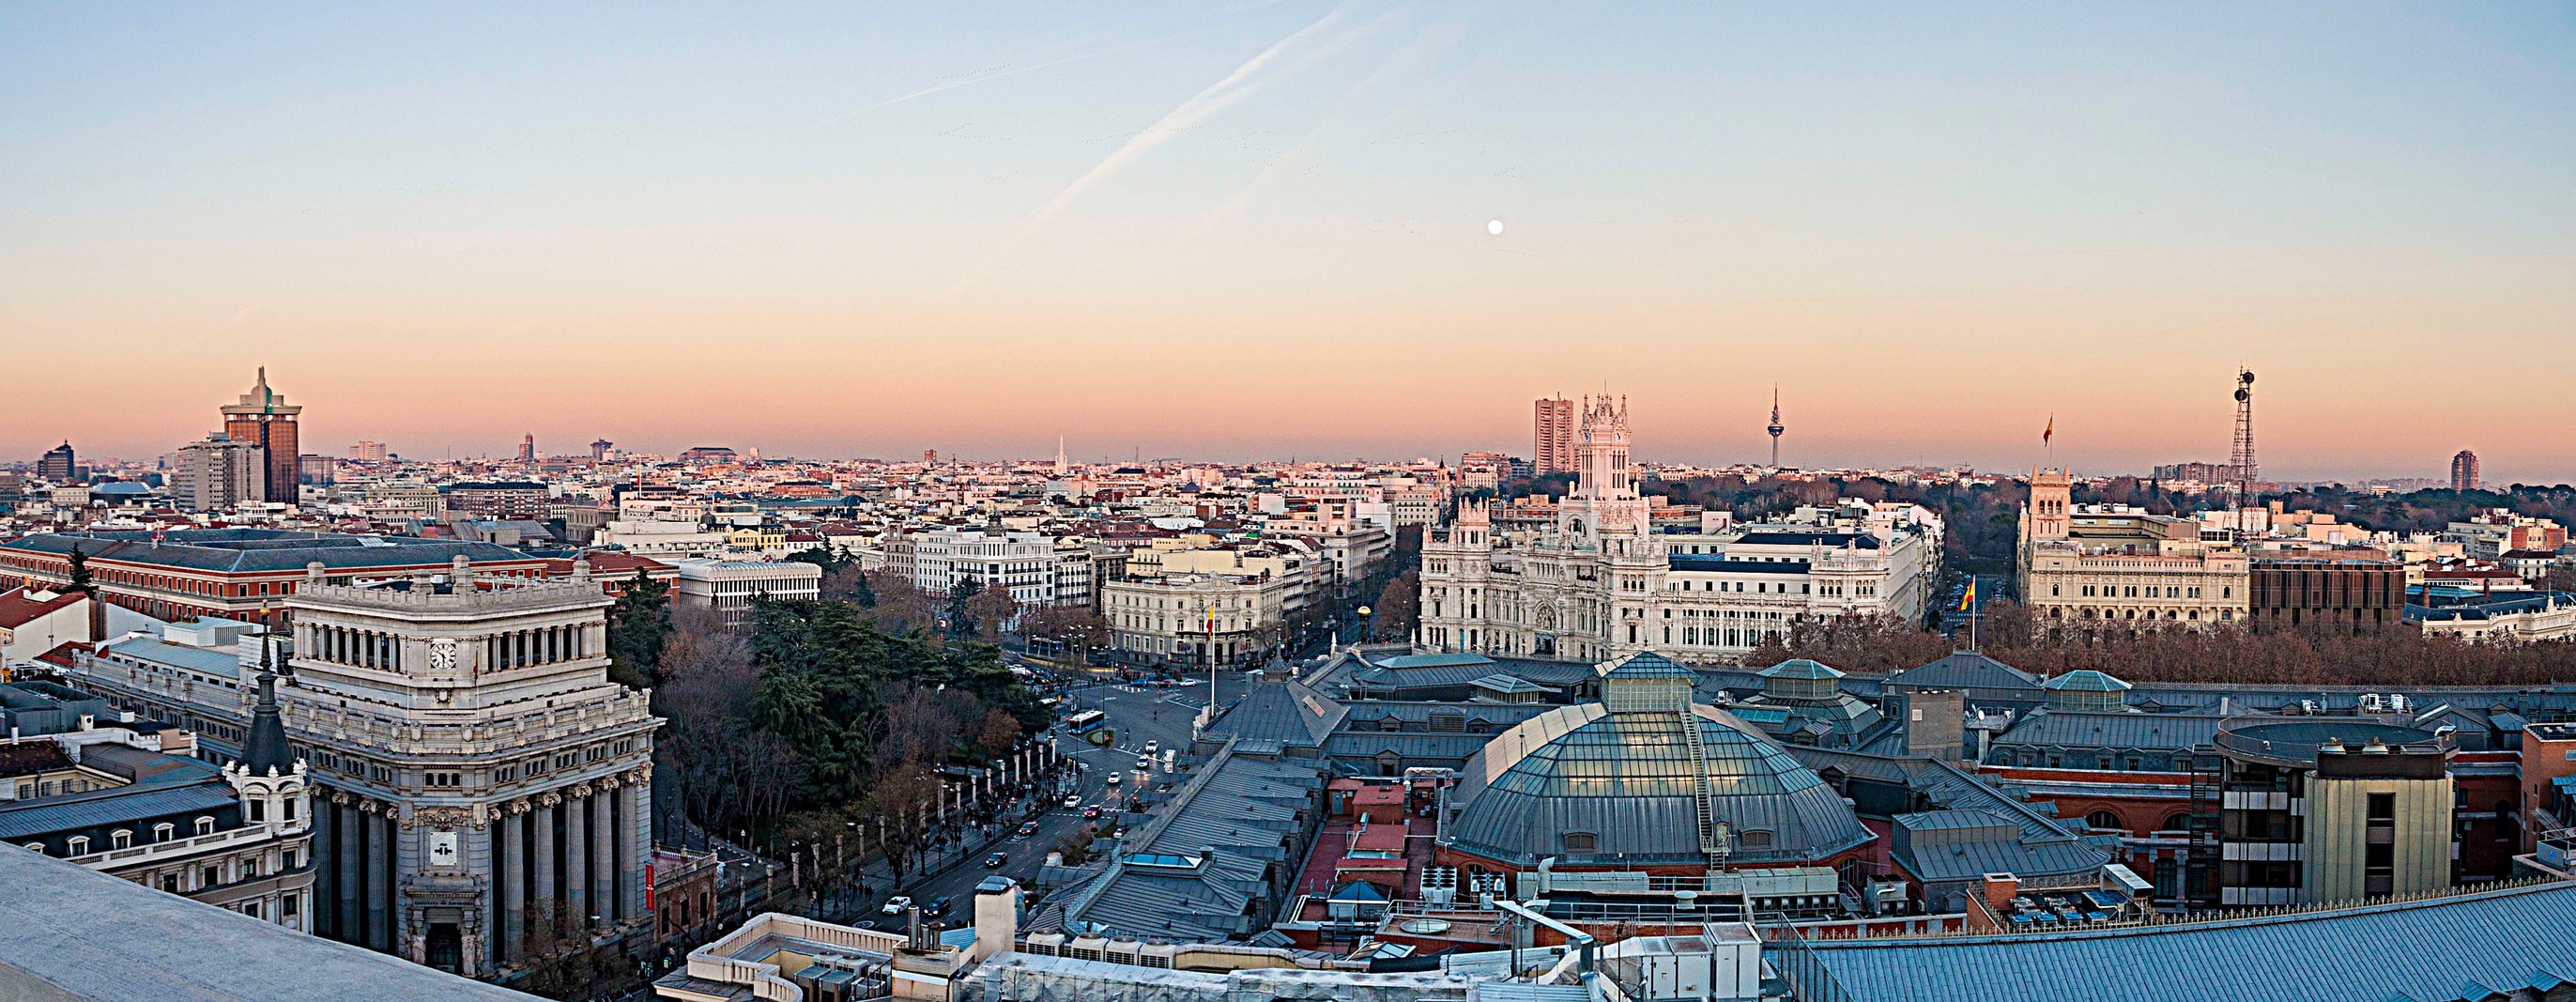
(954, 611)
(1398, 609)
(1001, 733)
(79, 577)
(1075, 626)
(848, 584)
(639, 624)
(992, 610)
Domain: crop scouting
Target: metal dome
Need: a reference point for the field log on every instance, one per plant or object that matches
(1586, 785)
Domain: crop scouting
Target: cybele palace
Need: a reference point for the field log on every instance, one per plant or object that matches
(478, 779)
(1604, 581)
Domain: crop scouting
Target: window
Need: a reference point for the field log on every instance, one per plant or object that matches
(209, 877)
(258, 810)
(2103, 819)
(1581, 842)
(169, 883)
(164, 831)
(1754, 840)
(120, 839)
(2382, 807)
(287, 906)
(205, 826)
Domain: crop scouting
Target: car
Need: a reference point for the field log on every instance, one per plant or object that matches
(995, 861)
(1091, 812)
(935, 907)
(1152, 747)
(1028, 828)
(1113, 779)
(1072, 800)
(1144, 765)
(895, 905)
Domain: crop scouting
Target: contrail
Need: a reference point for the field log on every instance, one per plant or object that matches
(981, 77)
(1200, 106)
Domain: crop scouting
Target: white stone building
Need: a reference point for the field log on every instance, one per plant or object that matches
(1603, 582)
(729, 586)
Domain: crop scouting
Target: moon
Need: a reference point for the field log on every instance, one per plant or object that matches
(1494, 226)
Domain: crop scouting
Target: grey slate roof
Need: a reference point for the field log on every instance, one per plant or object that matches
(2444, 949)
(257, 550)
(1958, 845)
(1282, 711)
(1966, 670)
(2112, 729)
(27, 819)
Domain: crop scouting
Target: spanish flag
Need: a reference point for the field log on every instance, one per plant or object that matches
(2049, 432)
(1968, 600)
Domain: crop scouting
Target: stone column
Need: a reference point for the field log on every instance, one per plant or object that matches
(603, 853)
(544, 858)
(380, 887)
(513, 882)
(635, 834)
(345, 843)
(577, 855)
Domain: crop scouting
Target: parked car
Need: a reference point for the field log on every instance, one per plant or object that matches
(995, 861)
(895, 905)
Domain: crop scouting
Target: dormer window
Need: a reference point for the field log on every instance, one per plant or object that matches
(1583, 842)
(77, 845)
(205, 826)
(120, 839)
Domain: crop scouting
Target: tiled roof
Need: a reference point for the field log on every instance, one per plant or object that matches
(19, 607)
(240, 551)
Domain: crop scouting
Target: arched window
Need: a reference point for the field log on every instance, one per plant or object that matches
(2103, 819)
(122, 838)
(39, 847)
(77, 845)
(2176, 822)
(205, 825)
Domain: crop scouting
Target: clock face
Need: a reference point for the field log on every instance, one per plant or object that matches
(442, 655)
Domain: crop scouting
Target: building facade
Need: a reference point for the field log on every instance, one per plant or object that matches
(241, 574)
(60, 464)
(1601, 580)
(2356, 596)
(2464, 471)
(481, 784)
(1552, 443)
(2094, 566)
(218, 472)
(264, 419)
(727, 587)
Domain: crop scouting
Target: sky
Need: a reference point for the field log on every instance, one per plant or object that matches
(1261, 229)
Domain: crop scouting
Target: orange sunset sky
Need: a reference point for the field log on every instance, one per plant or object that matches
(1260, 230)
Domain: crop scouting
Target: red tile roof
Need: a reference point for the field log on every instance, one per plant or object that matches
(19, 607)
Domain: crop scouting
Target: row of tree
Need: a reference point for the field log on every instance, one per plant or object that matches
(2311, 655)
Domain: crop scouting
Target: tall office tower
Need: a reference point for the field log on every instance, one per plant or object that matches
(600, 448)
(1552, 450)
(218, 472)
(367, 452)
(528, 448)
(2464, 471)
(1776, 427)
(59, 464)
(266, 420)
(2246, 472)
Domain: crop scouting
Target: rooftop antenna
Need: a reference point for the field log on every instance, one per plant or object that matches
(2244, 458)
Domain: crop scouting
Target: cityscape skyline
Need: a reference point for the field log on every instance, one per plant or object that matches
(884, 231)
(519, 449)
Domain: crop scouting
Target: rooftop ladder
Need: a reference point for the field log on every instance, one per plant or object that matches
(1708, 842)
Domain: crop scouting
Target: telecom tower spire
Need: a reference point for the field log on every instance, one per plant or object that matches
(1775, 428)
(2243, 461)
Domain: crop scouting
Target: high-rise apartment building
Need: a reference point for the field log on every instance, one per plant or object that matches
(528, 448)
(1552, 450)
(218, 472)
(367, 452)
(2464, 471)
(264, 419)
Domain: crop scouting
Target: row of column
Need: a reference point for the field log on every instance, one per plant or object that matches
(523, 648)
(353, 854)
(343, 645)
(567, 856)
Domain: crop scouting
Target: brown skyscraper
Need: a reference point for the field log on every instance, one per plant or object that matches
(1552, 451)
(2464, 471)
(264, 419)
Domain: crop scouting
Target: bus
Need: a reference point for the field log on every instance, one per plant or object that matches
(1086, 721)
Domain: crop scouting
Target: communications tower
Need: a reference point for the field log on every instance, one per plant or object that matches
(2243, 461)
(1775, 428)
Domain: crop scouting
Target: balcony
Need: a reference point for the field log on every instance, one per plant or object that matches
(178, 848)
